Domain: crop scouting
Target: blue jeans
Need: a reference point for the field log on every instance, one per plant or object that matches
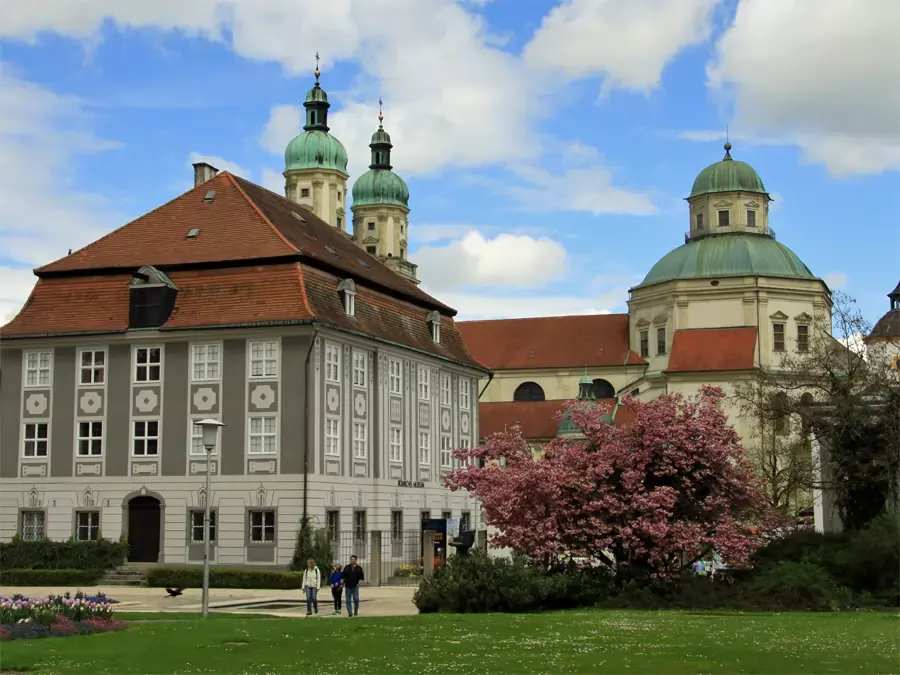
(312, 601)
(351, 596)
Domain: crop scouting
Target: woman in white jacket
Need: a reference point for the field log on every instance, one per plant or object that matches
(312, 579)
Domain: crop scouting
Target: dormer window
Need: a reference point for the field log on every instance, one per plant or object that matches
(433, 319)
(751, 218)
(699, 220)
(152, 298)
(724, 218)
(347, 291)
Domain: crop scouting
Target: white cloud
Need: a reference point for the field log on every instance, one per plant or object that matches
(15, 285)
(823, 78)
(285, 122)
(836, 280)
(474, 306)
(507, 260)
(273, 181)
(628, 42)
(219, 163)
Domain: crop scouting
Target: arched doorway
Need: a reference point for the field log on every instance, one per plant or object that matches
(144, 521)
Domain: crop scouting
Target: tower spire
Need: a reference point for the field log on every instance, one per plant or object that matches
(380, 114)
(317, 69)
(727, 156)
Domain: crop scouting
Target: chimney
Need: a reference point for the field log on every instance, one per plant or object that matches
(203, 172)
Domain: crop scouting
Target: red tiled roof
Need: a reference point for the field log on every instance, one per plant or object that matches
(252, 263)
(537, 418)
(550, 342)
(709, 349)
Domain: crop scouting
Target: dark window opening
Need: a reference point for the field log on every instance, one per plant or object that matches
(529, 391)
(660, 340)
(370, 250)
(645, 344)
(371, 225)
(603, 389)
(151, 306)
(699, 220)
(778, 337)
(724, 218)
(304, 192)
(751, 218)
(802, 338)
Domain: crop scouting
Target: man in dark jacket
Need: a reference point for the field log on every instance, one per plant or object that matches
(352, 576)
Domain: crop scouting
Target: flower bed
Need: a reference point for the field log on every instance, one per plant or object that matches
(56, 616)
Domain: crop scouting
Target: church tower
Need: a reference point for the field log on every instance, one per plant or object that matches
(315, 162)
(381, 208)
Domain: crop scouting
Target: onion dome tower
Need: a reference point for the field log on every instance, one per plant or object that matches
(885, 336)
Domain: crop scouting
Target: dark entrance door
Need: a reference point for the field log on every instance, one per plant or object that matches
(143, 529)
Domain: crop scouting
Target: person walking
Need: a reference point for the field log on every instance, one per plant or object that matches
(312, 579)
(352, 576)
(337, 587)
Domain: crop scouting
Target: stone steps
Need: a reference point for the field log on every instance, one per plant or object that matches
(127, 575)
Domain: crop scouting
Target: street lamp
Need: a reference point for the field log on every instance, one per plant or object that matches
(210, 429)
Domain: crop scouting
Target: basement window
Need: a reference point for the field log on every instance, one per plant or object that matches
(347, 291)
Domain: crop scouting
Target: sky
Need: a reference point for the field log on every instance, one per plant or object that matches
(548, 146)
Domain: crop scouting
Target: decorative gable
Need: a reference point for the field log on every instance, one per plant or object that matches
(778, 316)
(660, 319)
(724, 204)
(803, 317)
(752, 205)
(643, 323)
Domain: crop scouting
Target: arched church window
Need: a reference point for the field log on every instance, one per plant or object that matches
(529, 391)
(603, 389)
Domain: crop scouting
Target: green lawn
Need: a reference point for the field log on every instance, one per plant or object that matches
(563, 642)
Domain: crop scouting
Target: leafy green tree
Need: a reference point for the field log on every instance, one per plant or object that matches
(312, 542)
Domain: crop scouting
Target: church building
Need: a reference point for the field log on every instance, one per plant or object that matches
(343, 387)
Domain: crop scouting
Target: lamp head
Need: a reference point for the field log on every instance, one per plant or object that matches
(210, 431)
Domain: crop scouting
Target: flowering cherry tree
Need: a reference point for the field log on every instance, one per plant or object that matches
(655, 494)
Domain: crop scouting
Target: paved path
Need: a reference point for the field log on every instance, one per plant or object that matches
(376, 601)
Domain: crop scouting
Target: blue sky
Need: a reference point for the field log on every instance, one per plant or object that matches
(547, 146)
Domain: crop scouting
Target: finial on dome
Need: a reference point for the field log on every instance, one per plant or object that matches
(317, 68)
(727, 156)
(380, 114)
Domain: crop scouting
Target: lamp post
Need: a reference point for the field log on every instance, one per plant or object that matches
(210, 432)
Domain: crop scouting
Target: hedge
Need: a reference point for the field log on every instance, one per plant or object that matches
(192, 577)
(49, 577)
(101, 554)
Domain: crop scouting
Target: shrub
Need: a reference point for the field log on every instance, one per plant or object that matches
(100, 554)
(53, 577)
(478, 583)
(799, 585)
(192, 577)
(408, 571)
(312, 543)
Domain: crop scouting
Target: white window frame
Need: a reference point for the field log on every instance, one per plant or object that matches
(360, 440)
(195, 437)
(262, 526)
(193, 526)
(37, 369)
(332, 362)
(424, 448)
(396, 444)
(446, 452)
(90, 437)
(146, 436)
(262, 434)
(42, 532)
(424, 382)
(149, 365)
(465, 393)
(360, 368)
(464, 444)
(92, 368)
(267, 361)
(204, 363)
(89, 526)
(36, 441)
(395, 369)
(332, 437)
(349, 303)
(445, 388)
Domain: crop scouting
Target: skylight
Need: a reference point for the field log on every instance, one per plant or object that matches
(298, 216)
(193, 232)
(330, 250)
(210, 196)
(363, 262)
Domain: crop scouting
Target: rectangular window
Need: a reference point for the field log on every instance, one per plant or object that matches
(445, 389)
(645, 344)
(699, 220)
(197, 526)
(205, 362)
(333, 524)
(37, 369)
(32, 525)
(724, 218)
(332, 363)
(424, 448)
(465, 521)
(360, 440)
(424, 383)
(93, 366)
(371, 250)
(147, 364)
(304, 192)
(264, 359)
(396, 525)
(360, 368)
(751, 218)
(87, 525)
(396, 376)
(35, 440)
(332, 437)
(446, 453)
(396, 445)
(90, 438)
(371, 225)
(778, 337)
(262, 527)
(146, 438)
(263, 435)
(660, 340)
(464, 443)
(464, 393)
(359, 525)
(197, 447)
(802, 337)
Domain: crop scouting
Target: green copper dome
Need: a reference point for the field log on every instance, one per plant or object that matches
(380, 186)
(315, 149)
(727, 176)
(728, 255)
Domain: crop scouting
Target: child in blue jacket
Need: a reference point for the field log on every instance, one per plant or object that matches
(337, 588)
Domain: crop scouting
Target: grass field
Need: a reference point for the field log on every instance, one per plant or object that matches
(565, 642)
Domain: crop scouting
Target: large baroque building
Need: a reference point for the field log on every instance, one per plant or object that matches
(342, 385)
(730, 301)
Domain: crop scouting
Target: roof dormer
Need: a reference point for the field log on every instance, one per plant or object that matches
(347, 291)
(433, 319)
(151, 298)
